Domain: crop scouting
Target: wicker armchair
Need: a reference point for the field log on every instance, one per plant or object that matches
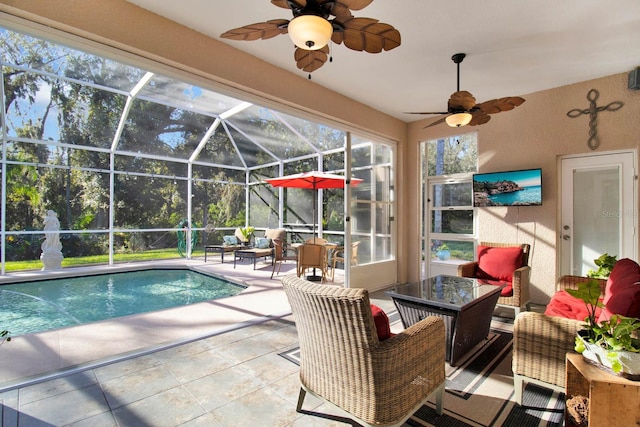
(344, 363)
(520, 297)
(541, 342)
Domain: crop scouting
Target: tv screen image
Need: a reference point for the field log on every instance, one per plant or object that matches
(508, 188)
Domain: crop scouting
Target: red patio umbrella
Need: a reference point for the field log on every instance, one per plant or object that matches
(313, 180)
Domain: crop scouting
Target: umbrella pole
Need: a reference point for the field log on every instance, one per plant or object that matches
(313, 277)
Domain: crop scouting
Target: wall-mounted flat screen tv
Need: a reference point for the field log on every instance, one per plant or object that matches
(508, 188)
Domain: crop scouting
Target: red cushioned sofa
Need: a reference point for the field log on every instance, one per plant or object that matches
(541, 340)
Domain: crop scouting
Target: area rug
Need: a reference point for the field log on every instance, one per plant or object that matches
(479, 392)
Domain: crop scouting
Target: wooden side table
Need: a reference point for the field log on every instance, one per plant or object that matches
(613, 400)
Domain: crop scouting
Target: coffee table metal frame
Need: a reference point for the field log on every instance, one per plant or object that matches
(219, 249)
(467, 319)
(252, 253)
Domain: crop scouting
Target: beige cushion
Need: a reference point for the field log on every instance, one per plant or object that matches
(276, 233)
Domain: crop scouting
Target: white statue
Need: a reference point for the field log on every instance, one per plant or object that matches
(51, 247)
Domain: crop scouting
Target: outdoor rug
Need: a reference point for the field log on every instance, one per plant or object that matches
(479, 392)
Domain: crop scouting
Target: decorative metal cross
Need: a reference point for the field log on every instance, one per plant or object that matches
(593, 111)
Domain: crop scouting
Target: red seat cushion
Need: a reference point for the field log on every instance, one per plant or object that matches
(498, 263)
(564, 305)
(622, 293)
(382, 323)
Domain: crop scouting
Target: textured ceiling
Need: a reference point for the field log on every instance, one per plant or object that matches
(513, 47)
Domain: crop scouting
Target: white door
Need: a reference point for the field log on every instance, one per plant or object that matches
(598, 209)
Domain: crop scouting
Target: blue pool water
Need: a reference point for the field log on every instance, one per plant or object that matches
(49, 304)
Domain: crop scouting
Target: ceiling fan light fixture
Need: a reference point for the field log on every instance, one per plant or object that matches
(459, 119)
(310, 32)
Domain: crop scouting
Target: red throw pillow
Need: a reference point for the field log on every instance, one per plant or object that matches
(507, 291)
(564, 305)
(382, 323)
(498, 263)
(622, 293)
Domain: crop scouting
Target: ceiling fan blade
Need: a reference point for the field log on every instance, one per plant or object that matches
(436, 122)
(461, 101)
(341, 12)
(259, 30)
(425, 112)
(311, 60)
(503, 104)
(479, 118)
(368, 34)
(354, 4)
(281, 3)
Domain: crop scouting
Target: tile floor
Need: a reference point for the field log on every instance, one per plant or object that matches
(232, 377)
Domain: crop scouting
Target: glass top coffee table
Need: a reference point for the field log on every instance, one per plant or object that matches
(466, 306)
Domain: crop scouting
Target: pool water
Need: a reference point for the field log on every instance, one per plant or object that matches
(42, 305)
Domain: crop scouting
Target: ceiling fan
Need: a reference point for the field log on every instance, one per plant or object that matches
(312, 27)
(462, 109)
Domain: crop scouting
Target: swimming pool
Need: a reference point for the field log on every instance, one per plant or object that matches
(42, 305)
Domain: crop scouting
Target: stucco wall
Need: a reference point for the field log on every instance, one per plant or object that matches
(535, 135)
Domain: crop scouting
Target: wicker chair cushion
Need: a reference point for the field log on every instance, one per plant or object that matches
(263, 242)
(230, 240)
(564, 305)
(622, 293)
(382, 323)
(498, 263)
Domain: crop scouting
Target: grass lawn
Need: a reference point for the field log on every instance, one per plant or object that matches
(151, 255)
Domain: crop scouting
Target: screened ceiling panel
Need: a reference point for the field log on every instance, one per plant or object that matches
(265, 128)
(18, 49)
(187, 96)
(251, 154)
(44, 107)
(159, 129)
(324, 138)
(220, 150)
(163, 116)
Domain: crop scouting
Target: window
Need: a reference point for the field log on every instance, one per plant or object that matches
(127, 156)
(372, 216)
(448, 165)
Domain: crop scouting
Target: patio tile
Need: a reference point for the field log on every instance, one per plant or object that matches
(170, 408)
(205, 420)
(183, 351)
(197, 365)
(222, 387)
(105, 419)
(58, 386)
(65, 408)
(138, 385)
(270, 367)
(267, 409)
(126, 367)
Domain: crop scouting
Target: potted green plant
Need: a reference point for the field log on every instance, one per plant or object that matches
(247, 232)
(613, 343)
(605, 264)
(443, 252)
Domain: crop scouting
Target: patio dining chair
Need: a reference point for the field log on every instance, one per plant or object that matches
(312, 256)
(282, 254)
(338, 256)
